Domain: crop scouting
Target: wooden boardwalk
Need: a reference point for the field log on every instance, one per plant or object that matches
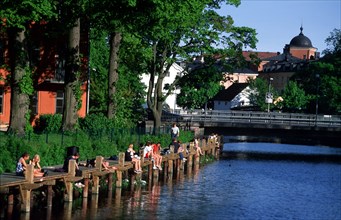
(172, 166)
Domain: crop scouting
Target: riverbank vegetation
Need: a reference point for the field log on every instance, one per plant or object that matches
(95, 136)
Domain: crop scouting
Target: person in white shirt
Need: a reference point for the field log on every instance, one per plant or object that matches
(175, 131)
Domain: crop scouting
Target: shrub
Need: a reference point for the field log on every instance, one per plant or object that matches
(49, 123)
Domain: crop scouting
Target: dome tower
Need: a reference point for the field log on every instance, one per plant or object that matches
(301, 47)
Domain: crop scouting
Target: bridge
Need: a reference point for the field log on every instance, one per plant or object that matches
(254, 119)
(279, 127)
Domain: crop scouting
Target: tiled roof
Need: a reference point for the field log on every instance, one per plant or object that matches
(260, 55)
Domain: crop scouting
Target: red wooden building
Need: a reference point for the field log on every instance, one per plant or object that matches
(47, 56)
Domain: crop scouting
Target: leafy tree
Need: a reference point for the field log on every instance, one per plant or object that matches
(294, 97)
(333, 43)
(183, 29)
(199, 85)
(17, 18)
(130, 90)
(257, 91)
(115, 17)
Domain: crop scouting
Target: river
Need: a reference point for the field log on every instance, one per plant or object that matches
(244, 184)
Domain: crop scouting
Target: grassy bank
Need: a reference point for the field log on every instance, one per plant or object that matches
(52, 146)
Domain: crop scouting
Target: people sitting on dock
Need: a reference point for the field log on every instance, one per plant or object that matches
(131, 156)
(157, 156)
(178, 149)
(197, 147)
(22, 165)
(75, 156)
(37, 172)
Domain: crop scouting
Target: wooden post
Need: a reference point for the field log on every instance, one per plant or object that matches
(165, 170)
(49, 195)
(110, 181)
(155, 176)
(170, 169)
(170, 162)
(190, 158)
(68, 197)
(95, 178)
(150, 173)
(132, 180)
(86, 188)
(121, 161)
(26, 193)
(49, 184)
(10, 198)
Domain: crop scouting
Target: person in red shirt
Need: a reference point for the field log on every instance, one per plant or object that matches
(157, 156)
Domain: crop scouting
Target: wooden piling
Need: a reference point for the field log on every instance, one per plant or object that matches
(119, 175)
(25, 190)
(68, 197)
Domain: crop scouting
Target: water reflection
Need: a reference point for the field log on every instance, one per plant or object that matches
(229, 189)
(273, 151)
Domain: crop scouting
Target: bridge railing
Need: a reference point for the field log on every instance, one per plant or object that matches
(253, 117)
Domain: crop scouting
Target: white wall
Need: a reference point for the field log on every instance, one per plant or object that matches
(173, 72)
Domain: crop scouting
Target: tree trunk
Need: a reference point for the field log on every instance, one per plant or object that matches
(19, 99)
(157, 121)
(71, 101)
(115, 41)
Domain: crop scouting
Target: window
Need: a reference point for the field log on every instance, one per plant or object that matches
(34, 104)
(1, 99)
(59, 102)
(60, 69)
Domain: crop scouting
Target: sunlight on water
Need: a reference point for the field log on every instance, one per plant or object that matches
(229, 189)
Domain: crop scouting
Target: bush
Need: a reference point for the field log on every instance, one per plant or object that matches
(96, 125)
(48, 123)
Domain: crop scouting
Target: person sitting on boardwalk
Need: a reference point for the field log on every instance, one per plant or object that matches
(22, 165)
(197, 147)
(157, 156)
(181, 151)
(37, 172)
(106, 165)
(148, 150)
(148, 154)
(75, 156)
(130, 156)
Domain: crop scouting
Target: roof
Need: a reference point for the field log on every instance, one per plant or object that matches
(301, 40)
(244, 70)
(260, 55)
(231, 92)
(284, 57)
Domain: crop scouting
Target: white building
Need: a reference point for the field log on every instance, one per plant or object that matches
(175, 70)
(234, 96)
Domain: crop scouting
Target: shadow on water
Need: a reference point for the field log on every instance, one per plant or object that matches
(274, 148)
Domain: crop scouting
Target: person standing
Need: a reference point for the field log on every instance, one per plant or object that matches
(175, 131)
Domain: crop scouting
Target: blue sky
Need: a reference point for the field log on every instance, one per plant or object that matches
(278, 21)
